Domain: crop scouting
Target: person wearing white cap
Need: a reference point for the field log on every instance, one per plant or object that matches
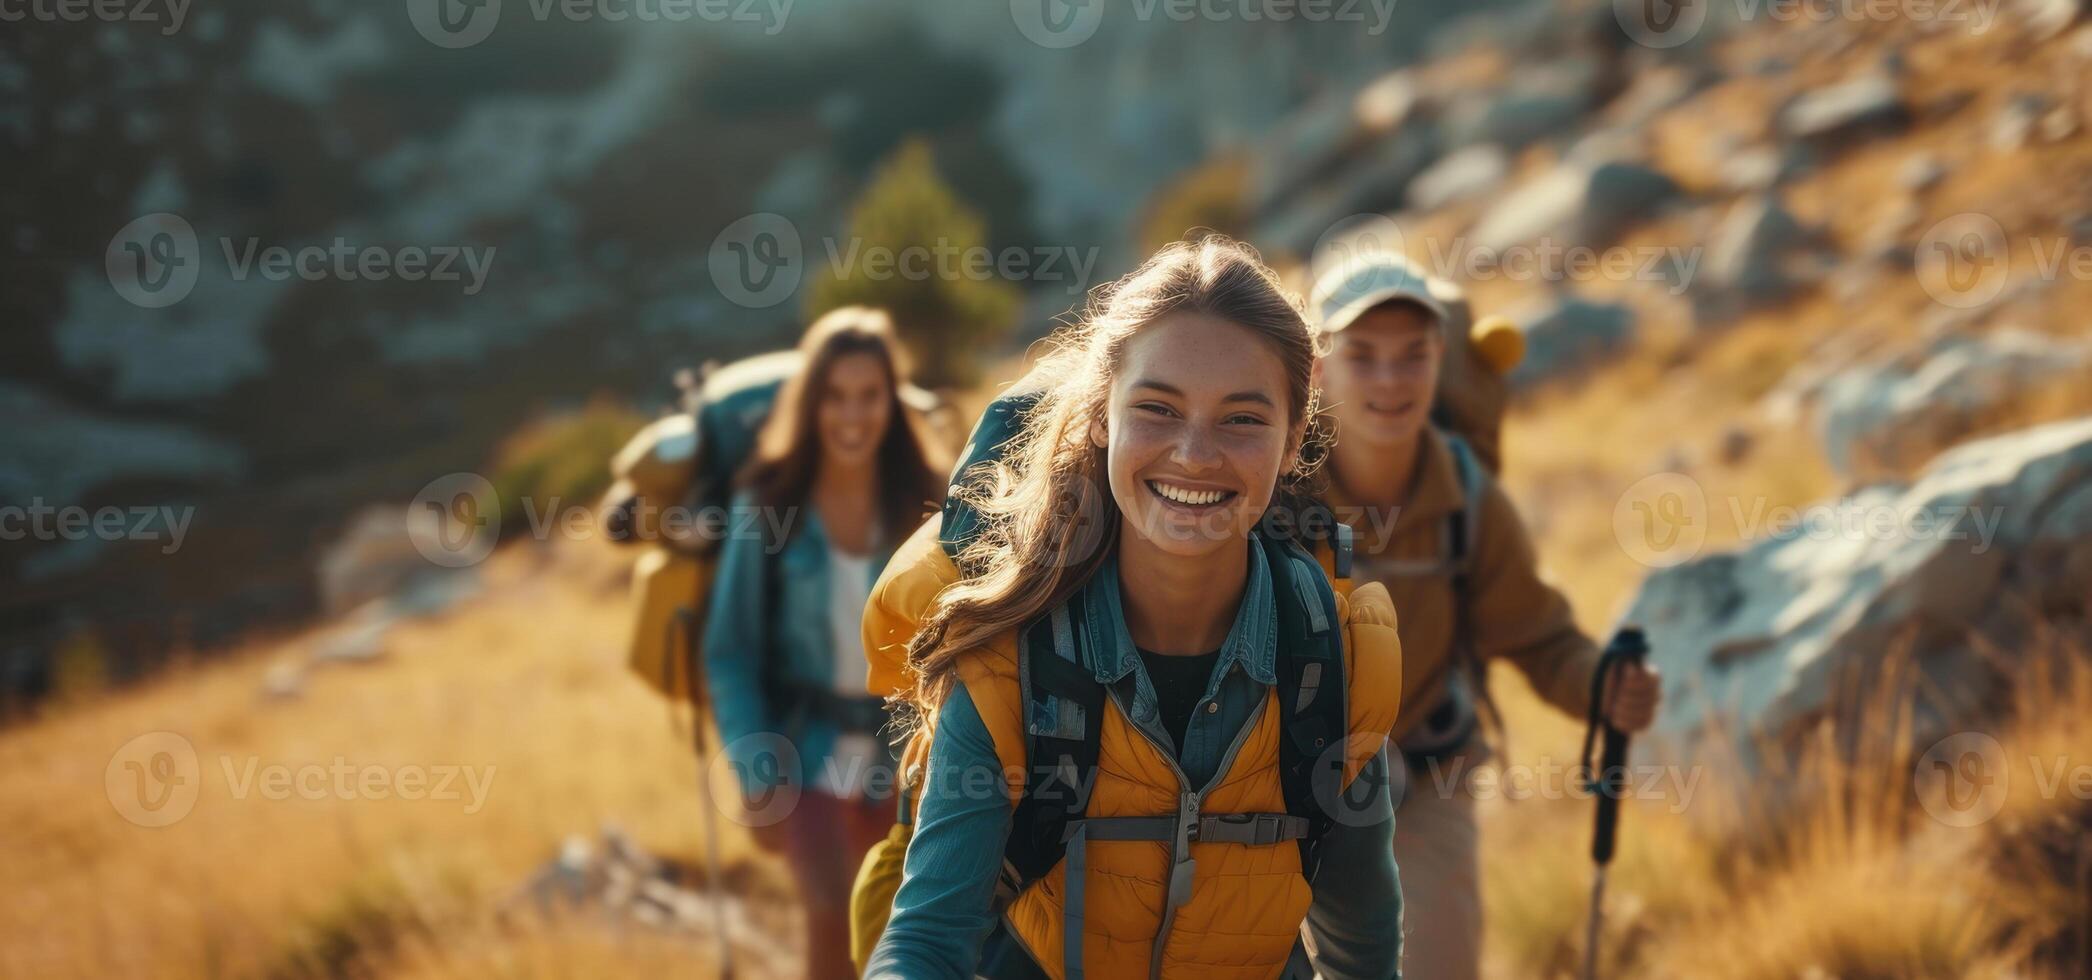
(1446, 541)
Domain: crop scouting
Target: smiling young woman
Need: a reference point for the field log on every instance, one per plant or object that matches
(1127, 629)
(842, 470)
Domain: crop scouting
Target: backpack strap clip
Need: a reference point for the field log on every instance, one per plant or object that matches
(1254, 829)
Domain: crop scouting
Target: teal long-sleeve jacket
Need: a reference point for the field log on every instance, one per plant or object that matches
(784, 550)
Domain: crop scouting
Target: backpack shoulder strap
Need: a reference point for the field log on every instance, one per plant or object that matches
(1063, 711)
(773, 676)
(1311, 692)
(1465, 524)
(1001, 422)
(1464, 530)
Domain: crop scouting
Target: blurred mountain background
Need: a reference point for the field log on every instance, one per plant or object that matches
(1857, 254)
(596, 159)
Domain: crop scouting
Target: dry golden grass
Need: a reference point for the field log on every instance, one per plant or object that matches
(1826, 864)
(570, 951)
(526, 683)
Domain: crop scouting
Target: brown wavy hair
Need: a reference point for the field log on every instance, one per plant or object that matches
(1048, 519)
(780, 473)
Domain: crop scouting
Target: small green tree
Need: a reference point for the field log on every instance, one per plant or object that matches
(918, 252)
(1213, 196)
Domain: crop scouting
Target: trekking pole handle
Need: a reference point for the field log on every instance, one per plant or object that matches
(1629, 647)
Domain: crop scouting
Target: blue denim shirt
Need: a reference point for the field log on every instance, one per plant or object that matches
(941, 913)
(738, 637)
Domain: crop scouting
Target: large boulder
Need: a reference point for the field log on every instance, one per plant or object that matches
(1568, 333)
(1541, 101)
(1894, 411)
(383, 559)
(1343, 136)
(1375, 181)
(1958, 571)
(1837, 116)
(1760, 254)
(1580, 202)
(1300, 148)
(1465, 173)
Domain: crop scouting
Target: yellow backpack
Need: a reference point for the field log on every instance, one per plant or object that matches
(689, 460)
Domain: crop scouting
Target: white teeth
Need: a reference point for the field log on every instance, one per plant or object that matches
(1195, 498)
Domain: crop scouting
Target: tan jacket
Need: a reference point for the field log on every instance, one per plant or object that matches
(1512, 613)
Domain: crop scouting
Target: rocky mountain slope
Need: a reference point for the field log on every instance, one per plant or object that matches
(576, 168)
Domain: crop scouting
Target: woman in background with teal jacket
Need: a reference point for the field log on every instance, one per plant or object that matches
(840, 475)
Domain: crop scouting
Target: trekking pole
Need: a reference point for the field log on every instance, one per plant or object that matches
(712, 869)
(1609, 781)
(687, 650)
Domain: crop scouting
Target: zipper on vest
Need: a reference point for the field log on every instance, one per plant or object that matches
(1182, 867)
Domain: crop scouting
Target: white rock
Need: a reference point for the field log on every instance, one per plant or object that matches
(1580, 202)
(1837, 114)
(1462, 174)
(1758, 641)
(1892, 410)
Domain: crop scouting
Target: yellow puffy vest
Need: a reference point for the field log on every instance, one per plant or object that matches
(1246, 902)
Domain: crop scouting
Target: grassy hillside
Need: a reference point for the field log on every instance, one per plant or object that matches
(526, 686)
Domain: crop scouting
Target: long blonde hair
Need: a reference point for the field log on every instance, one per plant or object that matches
(1048, 521)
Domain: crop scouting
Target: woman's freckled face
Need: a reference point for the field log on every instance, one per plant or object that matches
(1196, 433)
